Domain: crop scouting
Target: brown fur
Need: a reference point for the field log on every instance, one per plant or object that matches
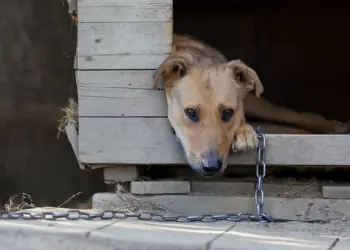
(198, 76)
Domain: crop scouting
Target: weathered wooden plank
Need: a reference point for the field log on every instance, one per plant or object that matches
(120, 173)
(138, 79)
(124, 38)
(336, 191)
(116, 102)
(140, 13)
(151, 141)
(118, 3)
(119, 93)
(119, 61)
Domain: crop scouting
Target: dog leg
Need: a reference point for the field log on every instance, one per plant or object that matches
(245, 138)
(263, 109)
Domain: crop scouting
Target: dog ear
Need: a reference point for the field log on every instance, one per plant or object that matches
(173, 64)
(245, 76)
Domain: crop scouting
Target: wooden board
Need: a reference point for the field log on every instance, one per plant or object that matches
(139, 79)
(118, 3)
(116, 102)
(124, 38)
(150, 141)
(111, 14)
(119, 61)
(119, 93)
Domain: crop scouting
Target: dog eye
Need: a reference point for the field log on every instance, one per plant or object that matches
(227, 114)
(192, 115)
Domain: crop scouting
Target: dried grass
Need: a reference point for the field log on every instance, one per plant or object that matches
(18, 202)
(131, 203)
(69, 199)
(70, 117)
(291, 191)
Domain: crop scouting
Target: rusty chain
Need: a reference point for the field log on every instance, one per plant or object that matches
(260, 215)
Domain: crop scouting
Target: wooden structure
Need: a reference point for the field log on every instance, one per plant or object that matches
(122, 120)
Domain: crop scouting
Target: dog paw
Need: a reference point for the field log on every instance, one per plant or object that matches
(245, 139)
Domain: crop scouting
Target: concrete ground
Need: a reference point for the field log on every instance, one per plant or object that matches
(133, 234)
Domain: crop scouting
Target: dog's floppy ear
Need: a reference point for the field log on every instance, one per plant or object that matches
(245, 76)
(173, 64)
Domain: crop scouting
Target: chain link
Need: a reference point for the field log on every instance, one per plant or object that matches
(260, 216)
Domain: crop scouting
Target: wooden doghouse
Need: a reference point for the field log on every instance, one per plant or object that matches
(123, 120)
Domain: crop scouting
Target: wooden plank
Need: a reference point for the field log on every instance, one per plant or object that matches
(119, 93)
(124, 38)
(120, 173)
(116, 102)
(336, 191)
(141, 13)
(138, 79)
(119, 61)
(118, 3)
(151, 141)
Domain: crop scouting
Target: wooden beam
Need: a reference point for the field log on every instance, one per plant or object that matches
(151, 141)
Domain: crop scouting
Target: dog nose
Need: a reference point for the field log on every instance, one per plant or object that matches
(212, 163)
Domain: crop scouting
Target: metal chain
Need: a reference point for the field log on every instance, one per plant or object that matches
(260, 174)
(260, 215)
(115, 214)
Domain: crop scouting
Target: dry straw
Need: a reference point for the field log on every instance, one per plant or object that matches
(18, 202)
(70, 117)
(129, 202)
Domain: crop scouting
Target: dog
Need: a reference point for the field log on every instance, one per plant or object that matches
(208, 99)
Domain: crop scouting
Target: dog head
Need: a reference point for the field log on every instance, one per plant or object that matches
(205, 107)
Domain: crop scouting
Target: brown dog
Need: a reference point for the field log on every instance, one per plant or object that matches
(208, 98)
